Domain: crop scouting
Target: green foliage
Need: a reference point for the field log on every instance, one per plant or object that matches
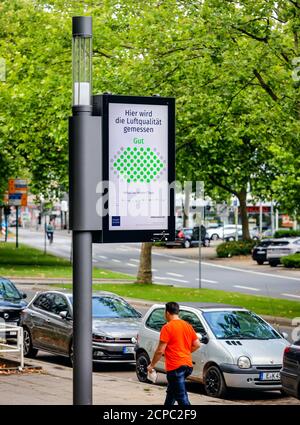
(230, 249)
(288, 233)
(163, 293)
(291, 261)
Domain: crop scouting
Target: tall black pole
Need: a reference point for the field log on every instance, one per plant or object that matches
(81, 133)
(6, 225)
(17, 227)
(82, 318)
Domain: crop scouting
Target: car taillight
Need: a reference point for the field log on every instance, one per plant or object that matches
(287, 350)
(180, 234)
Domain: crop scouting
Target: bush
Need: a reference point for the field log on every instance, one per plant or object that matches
(288, 233)
(291, 261)
(229, 249)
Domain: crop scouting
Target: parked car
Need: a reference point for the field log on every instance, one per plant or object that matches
(238, 348)
(48, 325)
(280, 248)
(290, 372)
(11, 303)
(222, 232)
(259, 252)
(188, 237)
(232, 236)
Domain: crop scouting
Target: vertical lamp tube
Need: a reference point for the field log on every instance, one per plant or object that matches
(82, 60)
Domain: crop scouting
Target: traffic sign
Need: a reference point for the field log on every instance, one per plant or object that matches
(17, 186)
(17, 199)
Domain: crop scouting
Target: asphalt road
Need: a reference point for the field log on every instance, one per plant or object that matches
(173, 267)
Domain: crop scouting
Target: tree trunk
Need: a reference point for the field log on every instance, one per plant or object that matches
(145, 268)
(242, 196)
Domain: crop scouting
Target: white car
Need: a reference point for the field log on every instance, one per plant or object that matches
(222, 232)
(238, 348)
(280, 248)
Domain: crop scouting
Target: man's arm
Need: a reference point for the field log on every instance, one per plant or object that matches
(157, 355)
(195, 345)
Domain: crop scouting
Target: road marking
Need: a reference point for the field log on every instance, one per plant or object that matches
(246, 287)
(175, 274)
(132, 265)
(170, 278)
(206, 280)
(232, 268)
(291, 295)
(102, 256)
(135, 260)
(115, 260)
(177, 261)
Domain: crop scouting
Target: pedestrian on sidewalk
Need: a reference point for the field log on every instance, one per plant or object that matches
(177, 342)
(50, 231)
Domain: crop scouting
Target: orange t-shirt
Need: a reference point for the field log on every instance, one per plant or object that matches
(179, 336)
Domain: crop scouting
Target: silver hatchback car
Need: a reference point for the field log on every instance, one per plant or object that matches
(238, 348)
(47, 324)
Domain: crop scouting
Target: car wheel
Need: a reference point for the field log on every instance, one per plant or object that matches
(142, 362)
(260, 262)
(214, 237)
(206, 243)
(273, 263)
(214, 384)
(187, 244)
(29, 351)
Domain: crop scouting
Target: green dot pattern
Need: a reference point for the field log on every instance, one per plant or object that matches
(139, 164)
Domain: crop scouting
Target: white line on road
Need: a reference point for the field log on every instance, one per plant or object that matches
(291, 295)
(170, 278)
(102, 256)
(246, 287)
(175, 274)
(177, 261)
(132, 265)
(134, 259)
(248, 271)
(115, 260)
(206, 280)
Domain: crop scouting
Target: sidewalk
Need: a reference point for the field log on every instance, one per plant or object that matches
(55, 387)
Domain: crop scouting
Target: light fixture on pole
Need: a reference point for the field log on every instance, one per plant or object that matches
(82, 60)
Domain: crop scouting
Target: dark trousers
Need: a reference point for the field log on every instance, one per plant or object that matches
(50, 236)
(176, 390)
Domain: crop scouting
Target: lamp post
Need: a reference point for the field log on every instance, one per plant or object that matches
(82, 235)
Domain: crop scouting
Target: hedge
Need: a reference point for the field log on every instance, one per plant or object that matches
(291, 261)
(288, 233)
(229, 249)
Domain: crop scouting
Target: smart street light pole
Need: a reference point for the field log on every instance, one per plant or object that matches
(82, 235)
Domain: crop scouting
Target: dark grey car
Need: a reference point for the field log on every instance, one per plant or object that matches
(48, 325)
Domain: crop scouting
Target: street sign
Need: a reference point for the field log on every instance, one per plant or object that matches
(139, 164)
(17, 199)
(17, 186)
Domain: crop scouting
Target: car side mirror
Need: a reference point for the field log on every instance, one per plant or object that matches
(284, 335)
(24, 295)
(64, 314)
(203, 338)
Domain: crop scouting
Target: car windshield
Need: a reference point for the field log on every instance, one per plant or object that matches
(239, 325)
(8, 291)
(110, 307)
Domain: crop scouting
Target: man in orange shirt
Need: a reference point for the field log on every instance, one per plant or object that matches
(177, 342)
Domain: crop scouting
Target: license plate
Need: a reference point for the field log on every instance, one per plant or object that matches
(260, 252)
(128, 350)
(12, 333)
(269, 376)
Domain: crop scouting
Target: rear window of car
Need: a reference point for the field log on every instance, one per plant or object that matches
(279, 243)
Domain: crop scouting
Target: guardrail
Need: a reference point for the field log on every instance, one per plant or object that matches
(6, 331)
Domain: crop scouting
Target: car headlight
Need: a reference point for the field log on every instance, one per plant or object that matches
(244, 362)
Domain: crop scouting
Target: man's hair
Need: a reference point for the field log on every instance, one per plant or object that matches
(172, 307)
